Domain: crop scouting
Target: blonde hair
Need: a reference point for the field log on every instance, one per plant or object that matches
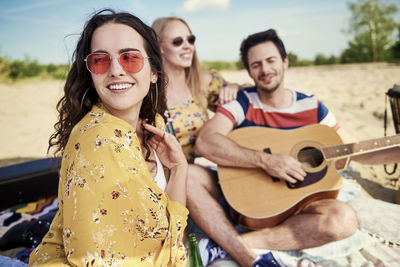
(192, 73)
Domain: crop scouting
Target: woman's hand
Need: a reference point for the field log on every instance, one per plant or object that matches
(228, 93)
(170, 153)
(168, 149)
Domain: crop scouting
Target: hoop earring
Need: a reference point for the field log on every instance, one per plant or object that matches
(156, 96)
(83, 97)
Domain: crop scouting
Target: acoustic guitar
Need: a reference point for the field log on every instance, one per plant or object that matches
(259, 200)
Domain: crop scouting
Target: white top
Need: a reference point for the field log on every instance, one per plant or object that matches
(160, 175)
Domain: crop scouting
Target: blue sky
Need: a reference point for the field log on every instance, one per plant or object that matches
(47, 30)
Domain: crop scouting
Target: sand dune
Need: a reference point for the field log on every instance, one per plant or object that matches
(355, 93)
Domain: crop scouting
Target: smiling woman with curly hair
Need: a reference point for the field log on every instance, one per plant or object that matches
(116, 205)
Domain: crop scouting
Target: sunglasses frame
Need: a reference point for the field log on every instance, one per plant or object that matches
(178, 41)
(119, 61)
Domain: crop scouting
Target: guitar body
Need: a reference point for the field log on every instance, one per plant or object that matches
(260, 200)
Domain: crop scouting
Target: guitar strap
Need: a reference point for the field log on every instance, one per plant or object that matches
(394, 98)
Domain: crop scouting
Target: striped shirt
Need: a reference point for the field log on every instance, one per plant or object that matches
(248, 110)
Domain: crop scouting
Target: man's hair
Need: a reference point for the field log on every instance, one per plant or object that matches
(258, 38)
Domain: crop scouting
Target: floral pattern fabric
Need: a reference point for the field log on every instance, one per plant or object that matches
(111, 211)
(189, 117)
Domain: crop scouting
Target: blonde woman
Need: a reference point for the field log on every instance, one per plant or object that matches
(190, 90)
(189, 93)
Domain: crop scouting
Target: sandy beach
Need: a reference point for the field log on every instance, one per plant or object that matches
(355, 93)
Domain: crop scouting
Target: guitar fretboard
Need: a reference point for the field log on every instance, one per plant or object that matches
(362, 147)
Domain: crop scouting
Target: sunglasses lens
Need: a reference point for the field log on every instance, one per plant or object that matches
(131, 61)
(98, 63)
(177, 41)
(191, 39)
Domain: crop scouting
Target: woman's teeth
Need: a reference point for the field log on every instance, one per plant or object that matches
(119, 86)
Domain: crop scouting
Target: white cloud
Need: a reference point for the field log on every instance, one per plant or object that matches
(200, 5)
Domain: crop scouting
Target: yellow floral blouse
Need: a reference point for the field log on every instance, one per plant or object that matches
(111, 211)
(189, 117)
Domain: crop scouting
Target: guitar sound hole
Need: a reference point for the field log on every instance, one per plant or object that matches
(310, 157)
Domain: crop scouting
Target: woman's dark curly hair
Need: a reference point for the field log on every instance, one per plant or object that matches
(79, 92)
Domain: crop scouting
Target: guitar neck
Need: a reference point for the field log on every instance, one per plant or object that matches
(362, 147)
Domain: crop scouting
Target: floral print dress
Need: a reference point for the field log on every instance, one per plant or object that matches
(111, 211)
(189, 117)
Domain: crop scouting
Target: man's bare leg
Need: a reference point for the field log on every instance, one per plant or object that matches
(319, 223)
(207, 213)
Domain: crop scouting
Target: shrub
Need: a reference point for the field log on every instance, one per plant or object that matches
(222, 65)
(13, 70)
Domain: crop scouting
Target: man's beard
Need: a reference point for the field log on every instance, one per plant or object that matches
(265, 89)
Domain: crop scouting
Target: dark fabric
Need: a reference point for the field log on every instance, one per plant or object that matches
(268, 260)
(23, 255)
(27, 233)
(394, 92)
(14, 217)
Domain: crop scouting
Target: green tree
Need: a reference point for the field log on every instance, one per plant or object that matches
(395, 55)
(320, 59)
(355, 53)
(333, 60)
(239, 65)
(222, 65)
(16, 68)
(372, 24)
(293, 59)
(51, 68)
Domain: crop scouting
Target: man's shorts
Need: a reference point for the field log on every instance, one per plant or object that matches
(193, 228)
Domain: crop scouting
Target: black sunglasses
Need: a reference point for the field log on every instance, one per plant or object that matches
(178, 41)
